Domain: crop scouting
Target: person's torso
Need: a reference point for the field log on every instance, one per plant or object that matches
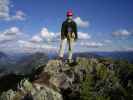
(69, 27)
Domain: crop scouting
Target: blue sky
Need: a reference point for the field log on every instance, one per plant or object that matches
(33, 25)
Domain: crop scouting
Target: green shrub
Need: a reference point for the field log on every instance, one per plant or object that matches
(107, 84)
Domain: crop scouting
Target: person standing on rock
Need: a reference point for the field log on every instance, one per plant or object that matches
(69, 34)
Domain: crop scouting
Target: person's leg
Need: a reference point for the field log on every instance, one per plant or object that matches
(70, 49)
(62, 48)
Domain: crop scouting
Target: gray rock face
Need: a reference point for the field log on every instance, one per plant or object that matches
(88, 79)
(65, 77)
(9, 95)
(57, 81)
(29, 91)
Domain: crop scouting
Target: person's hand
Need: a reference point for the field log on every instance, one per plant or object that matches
(73, 35)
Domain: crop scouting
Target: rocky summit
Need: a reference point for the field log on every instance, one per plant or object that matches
(56, 80)
(85, 79)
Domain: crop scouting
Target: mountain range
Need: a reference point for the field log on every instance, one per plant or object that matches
(25, 62)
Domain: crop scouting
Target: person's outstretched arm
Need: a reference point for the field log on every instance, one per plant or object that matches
(63, 31)
(75, 31)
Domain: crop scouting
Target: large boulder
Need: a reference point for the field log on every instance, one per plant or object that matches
(67, 78)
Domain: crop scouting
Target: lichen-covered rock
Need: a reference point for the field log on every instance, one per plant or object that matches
(29, 91)
(88, 79)
(25, 86)
(46, 93)
(66, 78)
(9, 95)
(53, 67)
(57, 79)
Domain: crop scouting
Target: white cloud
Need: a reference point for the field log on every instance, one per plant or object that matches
(11, 34)
(81, 23)
(20, 15)
(14, 39)
(47, 40)
(45, 35)
(123, 32)
(12, 31)
(36, 38)
(28, 46)
(5, 12)
(129, 49)
(83, 35)
(108, 41)
(4, 8)
(39, 42)
(91, 44)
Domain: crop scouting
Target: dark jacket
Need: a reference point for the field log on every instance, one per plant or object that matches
(64, 29)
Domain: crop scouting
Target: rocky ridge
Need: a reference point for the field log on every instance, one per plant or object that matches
(88, 79)
(52, 82)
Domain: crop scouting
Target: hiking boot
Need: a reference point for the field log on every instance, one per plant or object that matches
(69, 61)
(72, 62)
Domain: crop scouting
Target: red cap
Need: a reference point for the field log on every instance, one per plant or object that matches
(69, 13)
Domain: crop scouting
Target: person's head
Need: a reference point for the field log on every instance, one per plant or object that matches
(69, 14)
